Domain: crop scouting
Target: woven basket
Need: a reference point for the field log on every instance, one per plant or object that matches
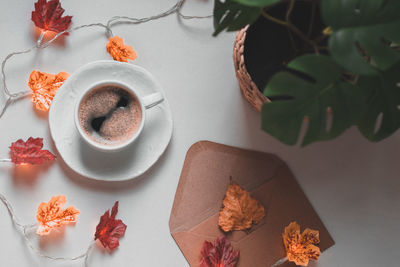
(246, 84)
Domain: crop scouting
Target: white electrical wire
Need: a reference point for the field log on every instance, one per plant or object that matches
(112, 21)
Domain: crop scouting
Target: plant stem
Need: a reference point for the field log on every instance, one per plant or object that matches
(289, 25)
(320, 38)
(350, 77)
(273, 19)
(292, 41)
(289, 11)
(316, 51)
(310, 27)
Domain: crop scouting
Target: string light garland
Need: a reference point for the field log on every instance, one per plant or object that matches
(25, 228)
(114, 227)
(51, 215)
(108, 32)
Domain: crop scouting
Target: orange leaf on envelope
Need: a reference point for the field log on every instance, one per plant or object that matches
(119, 51)
(51, 215)
(44, 87)
(300, 248)
(240, 210)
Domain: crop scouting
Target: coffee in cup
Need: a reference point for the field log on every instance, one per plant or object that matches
(110, 115)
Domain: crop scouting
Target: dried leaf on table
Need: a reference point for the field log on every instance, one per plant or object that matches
(219, 254)
(51, 215)
(48, 16)
(300, 248)
(44, 87)
(109, 230)
(119, 51)
(29, 152)
(240, 210)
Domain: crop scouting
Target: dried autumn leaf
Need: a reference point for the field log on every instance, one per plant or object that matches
(240, 210)
(219, 254)
(300, 248)
(119, 51)
(48, 16)
(29, 152)
(51, 215)
(44, 87)
(109, 230)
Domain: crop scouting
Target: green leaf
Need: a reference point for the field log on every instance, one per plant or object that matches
(383, 97)
(283, 118)
(233, 16)
(259, 3)
(370, 24)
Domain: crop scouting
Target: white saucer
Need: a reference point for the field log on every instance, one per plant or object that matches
(117, 166)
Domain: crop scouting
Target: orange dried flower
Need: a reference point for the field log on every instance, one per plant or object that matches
(240, 210)
(119, 51)
(51, 215)
(300, 248)
(44, 87)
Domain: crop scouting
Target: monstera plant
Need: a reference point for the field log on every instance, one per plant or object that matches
(351, 77)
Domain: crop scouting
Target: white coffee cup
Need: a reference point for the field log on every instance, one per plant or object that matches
(146, 102)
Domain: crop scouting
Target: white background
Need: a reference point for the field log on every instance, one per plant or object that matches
(353, 184)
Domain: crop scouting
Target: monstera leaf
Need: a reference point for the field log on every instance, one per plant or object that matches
(233, 16)
(383, 97)
(260, 3)
(310, 98)
(364, 33)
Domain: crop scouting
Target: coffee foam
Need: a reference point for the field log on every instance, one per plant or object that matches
(120, 123)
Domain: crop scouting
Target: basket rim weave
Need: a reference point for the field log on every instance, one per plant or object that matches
(249, 89)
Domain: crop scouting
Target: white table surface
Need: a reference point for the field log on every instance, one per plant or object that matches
(353, 184)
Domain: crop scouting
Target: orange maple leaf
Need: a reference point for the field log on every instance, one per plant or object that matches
(300, 248)
(51, 215)
(119, 51)
(44, 87)
(240, 210)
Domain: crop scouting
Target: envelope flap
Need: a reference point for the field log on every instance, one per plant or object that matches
(205, 176)
(202, 186)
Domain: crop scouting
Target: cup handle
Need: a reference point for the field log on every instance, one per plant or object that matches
(152, 100)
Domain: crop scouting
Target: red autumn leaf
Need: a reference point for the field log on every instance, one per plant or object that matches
(30, 152)
(48, 16)
(219, 254)
(109, 230)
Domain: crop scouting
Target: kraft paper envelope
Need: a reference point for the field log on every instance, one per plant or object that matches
(204, 180)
